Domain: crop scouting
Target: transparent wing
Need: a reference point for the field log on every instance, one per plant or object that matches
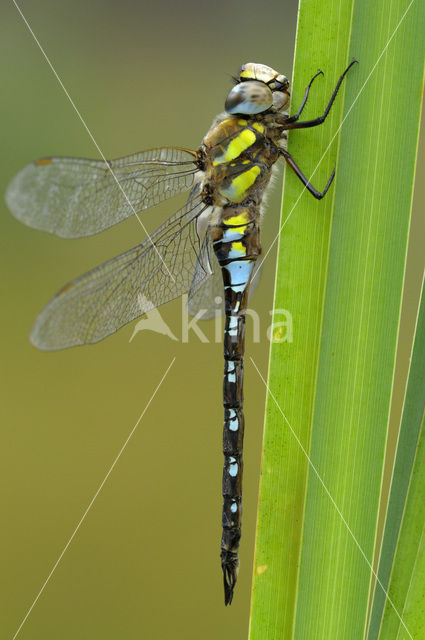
(206, 290)
(101, 301)
(206, 295)
(74, 197)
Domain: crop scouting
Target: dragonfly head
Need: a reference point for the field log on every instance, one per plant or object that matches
(259, 88)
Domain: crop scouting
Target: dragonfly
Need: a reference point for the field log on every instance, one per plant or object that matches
(210, 245)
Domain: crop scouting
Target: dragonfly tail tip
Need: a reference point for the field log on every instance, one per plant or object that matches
(230, 566)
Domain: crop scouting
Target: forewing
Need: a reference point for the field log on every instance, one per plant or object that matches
(101, 301)
(74, 197)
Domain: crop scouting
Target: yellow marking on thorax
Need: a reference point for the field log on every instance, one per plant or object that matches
(243, 123)
(234, 149)
(226, 121)
(236, 191)
(259, 127)
(236, 164)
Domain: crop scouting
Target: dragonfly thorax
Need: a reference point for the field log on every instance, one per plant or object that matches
(238, 154)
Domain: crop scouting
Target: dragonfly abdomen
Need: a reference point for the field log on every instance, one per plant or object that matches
(236, 244)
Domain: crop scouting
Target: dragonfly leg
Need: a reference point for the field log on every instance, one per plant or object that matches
(290, 124)
(295, 168)
(295, 117)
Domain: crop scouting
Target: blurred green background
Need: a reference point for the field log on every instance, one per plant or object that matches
(145, 562)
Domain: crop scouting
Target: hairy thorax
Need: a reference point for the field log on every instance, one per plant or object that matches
(237, 155)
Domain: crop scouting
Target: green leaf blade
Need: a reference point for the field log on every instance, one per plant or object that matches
(303, 250)
(403, 548)
(312, 573)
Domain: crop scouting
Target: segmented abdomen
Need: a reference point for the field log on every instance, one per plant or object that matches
(237, 245)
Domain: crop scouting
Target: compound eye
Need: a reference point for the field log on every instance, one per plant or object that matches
(280, 100)
(249, 98)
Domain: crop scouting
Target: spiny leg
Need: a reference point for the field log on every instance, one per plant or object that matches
(291, 162)
(316, 121)
(295, 117)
